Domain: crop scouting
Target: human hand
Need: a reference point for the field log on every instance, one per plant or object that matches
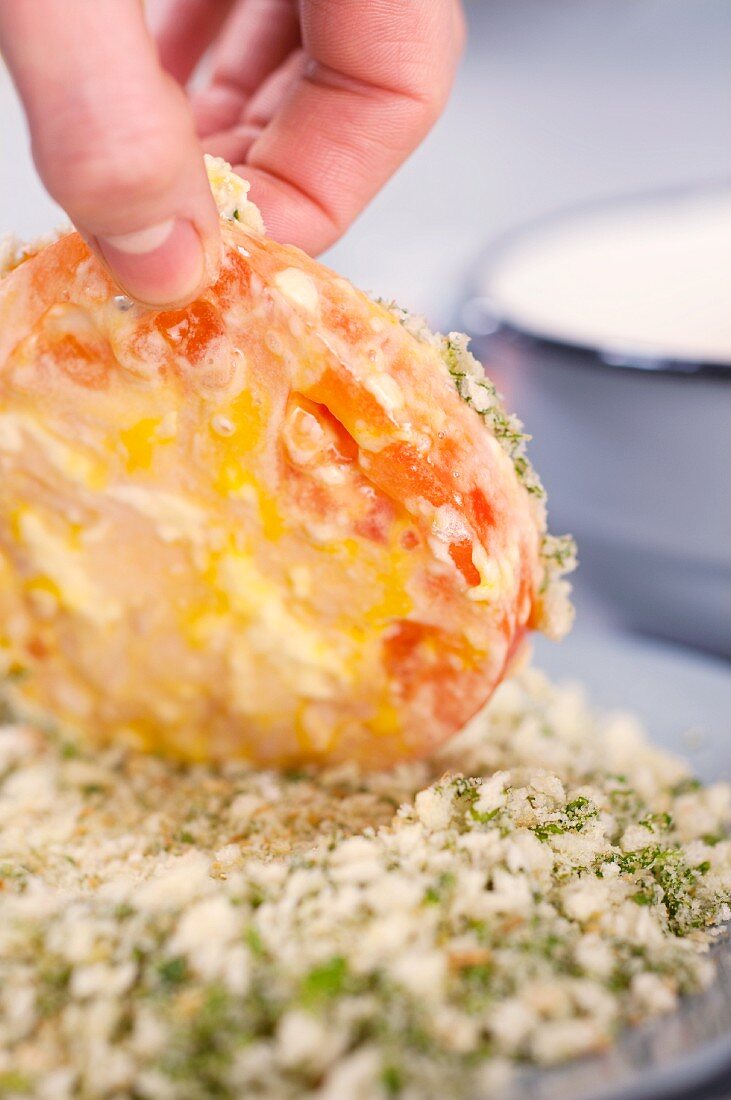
(316, 103)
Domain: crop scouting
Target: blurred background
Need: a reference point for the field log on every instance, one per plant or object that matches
(560, 104)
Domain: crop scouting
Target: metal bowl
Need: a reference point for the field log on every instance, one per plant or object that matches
(634, 445)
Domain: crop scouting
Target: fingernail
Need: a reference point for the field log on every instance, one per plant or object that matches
(162, 265)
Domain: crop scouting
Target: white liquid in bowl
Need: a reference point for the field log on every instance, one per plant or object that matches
(652, 277)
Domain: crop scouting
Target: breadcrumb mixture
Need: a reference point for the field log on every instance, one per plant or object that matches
(558, 552)
(173, 933)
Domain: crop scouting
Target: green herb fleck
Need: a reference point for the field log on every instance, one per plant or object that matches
(685, 786)
(173, 971)
(324, 982)
(13, 1083)
(392, 1079)
(661, 822)
(254, 942)
(53, 982)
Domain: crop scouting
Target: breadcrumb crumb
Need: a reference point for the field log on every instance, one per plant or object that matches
(170, 931)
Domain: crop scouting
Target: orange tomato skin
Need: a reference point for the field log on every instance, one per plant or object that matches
(264, 525)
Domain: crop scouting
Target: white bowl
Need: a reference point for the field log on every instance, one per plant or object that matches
(632, 435)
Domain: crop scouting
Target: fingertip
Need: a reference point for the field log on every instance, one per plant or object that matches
(160, 239)
(161, 266)
(114, 142)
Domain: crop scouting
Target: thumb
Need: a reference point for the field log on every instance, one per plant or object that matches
(114, 142)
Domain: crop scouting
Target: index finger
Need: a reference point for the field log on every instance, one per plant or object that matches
(379, 76)
(114, 142)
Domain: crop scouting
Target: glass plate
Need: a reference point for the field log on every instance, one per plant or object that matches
(684, 699)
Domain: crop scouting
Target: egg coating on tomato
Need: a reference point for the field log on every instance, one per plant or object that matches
(274, 524)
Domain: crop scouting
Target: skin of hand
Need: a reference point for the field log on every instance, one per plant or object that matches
(316, 102)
